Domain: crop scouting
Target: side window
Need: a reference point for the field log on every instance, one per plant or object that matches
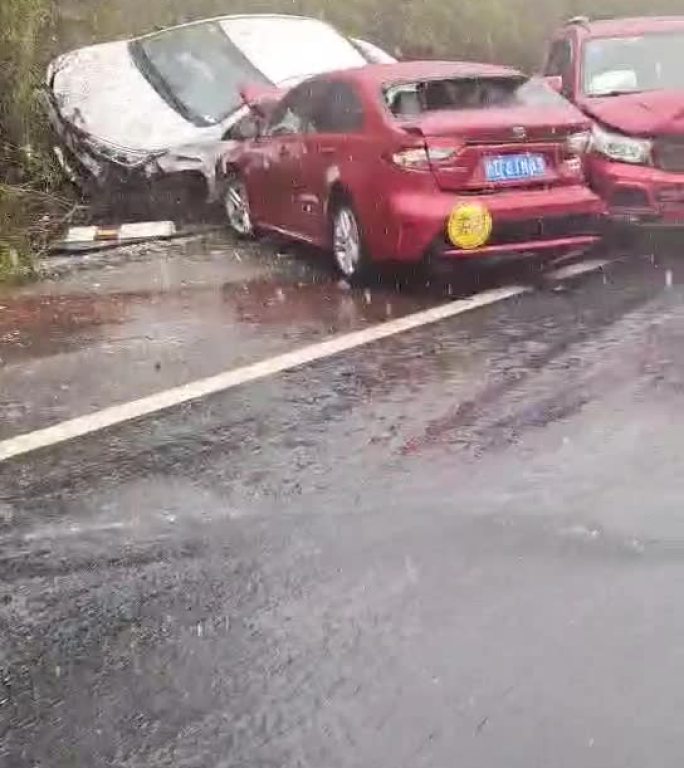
(295, 114)
(559, 63)
(339, 110)
(286, 119)
(247, 127)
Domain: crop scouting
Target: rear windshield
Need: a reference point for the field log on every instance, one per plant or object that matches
(407, 99)
(628, 64)
(197, 69)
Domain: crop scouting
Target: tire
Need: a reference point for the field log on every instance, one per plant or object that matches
(236, 207)
(350, 254)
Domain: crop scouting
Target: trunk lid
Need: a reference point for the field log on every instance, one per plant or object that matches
(498, 148)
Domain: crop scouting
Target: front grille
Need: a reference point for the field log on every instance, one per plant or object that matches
(669, 154)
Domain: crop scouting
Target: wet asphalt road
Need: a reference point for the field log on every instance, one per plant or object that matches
(460, 546)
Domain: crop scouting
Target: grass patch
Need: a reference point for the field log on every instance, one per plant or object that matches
(30, 182)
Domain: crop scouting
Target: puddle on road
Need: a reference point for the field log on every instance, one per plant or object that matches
(38, 326)
(332, 304)
(34, 326)
(101, 336)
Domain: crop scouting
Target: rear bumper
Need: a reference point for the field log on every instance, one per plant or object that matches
(561, 219)
(562, 244)
(638, 195)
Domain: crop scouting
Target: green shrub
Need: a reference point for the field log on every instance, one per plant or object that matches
(510, 31)
(28, 175)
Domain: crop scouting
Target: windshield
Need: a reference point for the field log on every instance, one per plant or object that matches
(473, 93)
(630, 64)
(197, 69)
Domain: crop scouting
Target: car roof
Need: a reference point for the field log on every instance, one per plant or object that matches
(631, 26)
(407, 71)
(230, 17)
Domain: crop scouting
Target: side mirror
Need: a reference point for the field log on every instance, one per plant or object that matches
(260, 99)
(248, 128)
(555, 82)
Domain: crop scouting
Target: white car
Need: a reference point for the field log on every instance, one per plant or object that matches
(160, 107)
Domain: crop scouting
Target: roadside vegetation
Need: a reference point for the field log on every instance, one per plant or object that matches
(35, 199)
(30, 185)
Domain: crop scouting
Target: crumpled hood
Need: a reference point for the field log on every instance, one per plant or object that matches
(658, 113)
(101, 91)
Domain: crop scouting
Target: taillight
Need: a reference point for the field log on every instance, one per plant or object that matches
(421, 158)
(412, 159)
(441, 154)
(577, 143)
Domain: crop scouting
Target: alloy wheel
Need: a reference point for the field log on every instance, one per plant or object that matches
(346, 242)
(237, 208)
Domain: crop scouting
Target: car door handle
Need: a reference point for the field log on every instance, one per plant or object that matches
(284, 152)
(327, 150)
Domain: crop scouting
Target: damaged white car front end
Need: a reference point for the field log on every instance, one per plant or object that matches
(158, 110)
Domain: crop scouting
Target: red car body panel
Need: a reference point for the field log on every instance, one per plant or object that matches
(658, 113)
(638, 194)
(418, 217)
(403, 213)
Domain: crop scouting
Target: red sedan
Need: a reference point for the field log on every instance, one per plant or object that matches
(417, 160)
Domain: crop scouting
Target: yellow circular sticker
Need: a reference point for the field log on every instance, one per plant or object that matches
(469, 226)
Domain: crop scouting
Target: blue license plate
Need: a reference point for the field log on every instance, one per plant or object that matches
(514, 167)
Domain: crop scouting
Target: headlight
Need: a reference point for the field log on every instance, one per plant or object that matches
(578, 143)
(130, 158)
(624, 149)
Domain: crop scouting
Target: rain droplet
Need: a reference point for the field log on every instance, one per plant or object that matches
(669, 279)
(368, 296)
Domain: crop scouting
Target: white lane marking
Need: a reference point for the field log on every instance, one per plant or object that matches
(135, 409)
(146, 406)
(66, 531)
(575, 270)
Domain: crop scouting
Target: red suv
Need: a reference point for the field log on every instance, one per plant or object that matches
(627, 75)
(404, 161)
